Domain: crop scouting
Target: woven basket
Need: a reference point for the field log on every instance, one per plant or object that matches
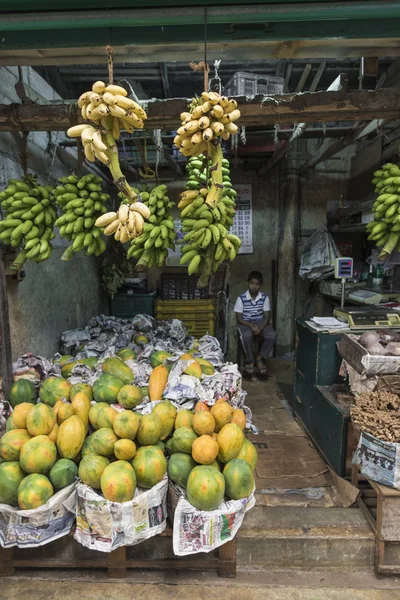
(174, 493)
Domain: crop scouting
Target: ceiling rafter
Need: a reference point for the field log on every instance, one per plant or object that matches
(303, 78)
(317, 107)
(339, 84)
(392, 77)
(164, 79)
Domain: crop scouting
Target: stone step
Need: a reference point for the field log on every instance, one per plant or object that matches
(305, 538)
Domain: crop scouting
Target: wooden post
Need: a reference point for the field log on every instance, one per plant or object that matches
(6, 562)
(227, 559)
(117, 563)
(5, 339)
(287, 254)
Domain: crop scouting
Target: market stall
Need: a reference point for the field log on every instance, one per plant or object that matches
(145, 192)
(108, 460)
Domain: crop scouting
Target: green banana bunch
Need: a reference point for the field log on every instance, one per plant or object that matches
(28, 223)
(208, 241)
(385, 228)
(158, 235)
(81, 201)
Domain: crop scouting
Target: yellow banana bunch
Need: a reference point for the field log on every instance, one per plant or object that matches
(211, 118)
(92, 141)
(385, 228)
(207, 237)
(28, 219)
(158, 234)
(111, 101)
(125, 224)
(81, 201)
(111, 111)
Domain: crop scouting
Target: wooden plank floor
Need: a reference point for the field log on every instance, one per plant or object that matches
(290, 471)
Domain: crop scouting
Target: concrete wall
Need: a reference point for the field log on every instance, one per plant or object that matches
(54, 296)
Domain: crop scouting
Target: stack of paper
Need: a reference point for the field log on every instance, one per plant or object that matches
(327, 324)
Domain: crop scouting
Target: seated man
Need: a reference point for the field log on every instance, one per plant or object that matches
(253, 314)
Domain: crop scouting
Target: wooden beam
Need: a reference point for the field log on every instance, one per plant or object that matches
(318, 107)
(317, 77)
(164, 79)
(369, 69)
(390, 77)
(6, 372)
(330, 149)
(227, 50)
(280, 69)
(340, 83)
(303, 78)
(288, 73)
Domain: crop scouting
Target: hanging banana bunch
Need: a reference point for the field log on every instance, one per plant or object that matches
(385, 228)
(29, 215)
(81, 201)
(109, 109)
(111, 100)
(151, 247)
(211, 118)
(125, 224)
(208, 241)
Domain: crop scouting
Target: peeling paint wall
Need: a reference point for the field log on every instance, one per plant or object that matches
(54, 295)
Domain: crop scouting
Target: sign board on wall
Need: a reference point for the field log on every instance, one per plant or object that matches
(243, 221)
(242, 226)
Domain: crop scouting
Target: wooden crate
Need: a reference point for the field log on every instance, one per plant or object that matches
(66, 553)
(380, 505)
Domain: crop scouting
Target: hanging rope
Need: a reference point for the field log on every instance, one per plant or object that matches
(53, 159)
(23, 155)
(110, 53)
(159, 149)
(216, 78)
(146, 172)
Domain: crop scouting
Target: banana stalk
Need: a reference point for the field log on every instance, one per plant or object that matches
(115, 169)
(390, 245)
(208, 266)
(217, 187)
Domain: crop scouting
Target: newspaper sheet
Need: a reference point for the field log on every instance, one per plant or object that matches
(103, 525)
(39, 526)
(202, 531)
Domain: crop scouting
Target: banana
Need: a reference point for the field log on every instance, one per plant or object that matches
(141, 208)
(124, 236)
(155, 236)
(123, 213)
(109, 98)
(98, 142)
(98, 87)
(117, 90)
(206, 240)
(112, 227)
(88, 150)
(76, 130)
(188, 256)
(215, 232)
(105, 219)
(194, 264)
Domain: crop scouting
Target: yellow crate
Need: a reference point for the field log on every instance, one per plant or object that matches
(177, 307)
(197, 315)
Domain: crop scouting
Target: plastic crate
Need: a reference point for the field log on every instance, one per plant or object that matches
(127, 306)
(181, 286)
(197, 315)
(251, 84)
